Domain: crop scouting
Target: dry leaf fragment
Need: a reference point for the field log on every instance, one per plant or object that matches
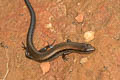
(45, 67)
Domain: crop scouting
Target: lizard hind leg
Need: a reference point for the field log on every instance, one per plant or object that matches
(47, 47)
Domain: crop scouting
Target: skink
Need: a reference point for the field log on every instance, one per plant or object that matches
(50, 52)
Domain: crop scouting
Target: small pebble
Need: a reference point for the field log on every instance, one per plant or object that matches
(83, 60)
(80, 18)
(24, 6)
(50, 26)
(117, 37)
(89, 36)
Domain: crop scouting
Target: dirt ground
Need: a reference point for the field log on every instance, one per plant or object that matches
(56, 20)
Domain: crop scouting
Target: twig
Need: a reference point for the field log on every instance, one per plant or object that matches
(7, 64)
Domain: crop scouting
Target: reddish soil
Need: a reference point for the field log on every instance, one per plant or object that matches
(56, 19)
